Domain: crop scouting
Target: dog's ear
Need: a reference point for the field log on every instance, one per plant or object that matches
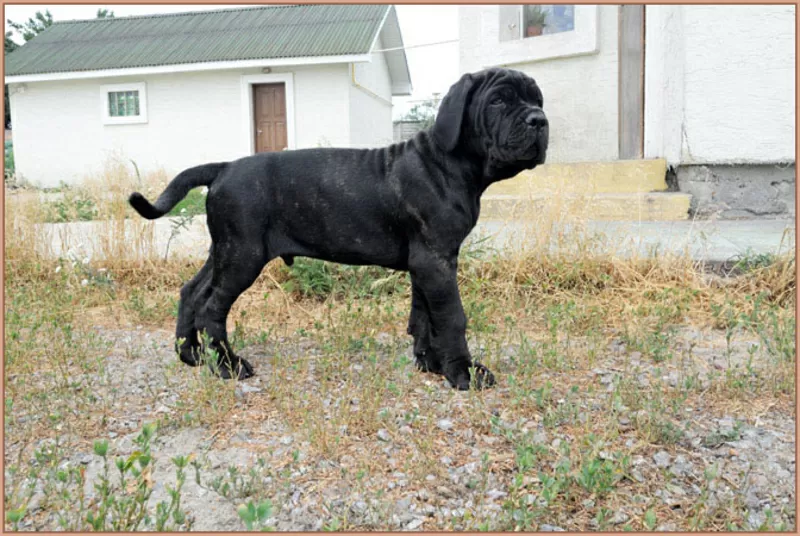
(447, 128)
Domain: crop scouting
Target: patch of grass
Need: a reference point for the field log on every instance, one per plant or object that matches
(8, 152)
(750, 261)
(193, 204)
(73, 204)
(122, 490)
(312, 278)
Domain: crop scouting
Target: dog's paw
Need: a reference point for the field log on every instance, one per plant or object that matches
(483, 378)
(243, 370)
(426, 365)
(188, 355)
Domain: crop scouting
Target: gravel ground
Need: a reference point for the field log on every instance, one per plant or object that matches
(754, 457)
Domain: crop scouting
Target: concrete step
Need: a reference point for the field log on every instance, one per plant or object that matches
(648, 206)
(622, 176)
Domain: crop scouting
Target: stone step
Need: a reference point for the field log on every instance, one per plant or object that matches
(648, 206)
(621, 176)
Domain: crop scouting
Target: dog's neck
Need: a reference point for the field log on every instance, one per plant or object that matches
(478, 169)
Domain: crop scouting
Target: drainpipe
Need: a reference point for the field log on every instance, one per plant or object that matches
(362, 88)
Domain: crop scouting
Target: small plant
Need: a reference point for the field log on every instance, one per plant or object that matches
(650, 520)
(750, 261)
(9, 159)
(255, 515)
(720, 436)
(238, 485)
(535, 15)
(74, 204)
(178, 225)
(599, 477)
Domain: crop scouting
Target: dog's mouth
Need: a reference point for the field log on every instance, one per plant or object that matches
(533, 147)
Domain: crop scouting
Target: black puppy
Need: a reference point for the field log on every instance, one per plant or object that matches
(408, 206)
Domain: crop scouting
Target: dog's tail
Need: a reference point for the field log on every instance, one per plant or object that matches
(176, 190)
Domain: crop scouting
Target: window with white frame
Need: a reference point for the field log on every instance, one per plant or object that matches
(533, 20)
(534, 32)
(124, 103)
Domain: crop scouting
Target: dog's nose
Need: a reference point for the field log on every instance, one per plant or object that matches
(536, 118)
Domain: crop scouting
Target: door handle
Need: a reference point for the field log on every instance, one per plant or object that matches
(259, 131)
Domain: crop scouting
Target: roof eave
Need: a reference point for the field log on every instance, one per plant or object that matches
(187, 67)
(390, 34)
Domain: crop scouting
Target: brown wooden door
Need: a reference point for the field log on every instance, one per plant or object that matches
(269, 108)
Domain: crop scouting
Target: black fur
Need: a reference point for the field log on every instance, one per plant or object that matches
(408, 206)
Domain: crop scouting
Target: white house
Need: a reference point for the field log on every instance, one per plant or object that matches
(711, 89)
(173, 91)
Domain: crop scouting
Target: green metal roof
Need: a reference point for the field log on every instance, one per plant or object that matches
(265, 32)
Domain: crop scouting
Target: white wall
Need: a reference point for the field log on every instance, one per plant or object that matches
(580, 92)
(720, 84)
(371, 102)
(193, 118)
(321, 105)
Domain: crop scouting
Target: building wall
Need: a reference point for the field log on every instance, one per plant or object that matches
(371, 102)
(322, 115)
(720, 84)
(193, 118)
(580, 92)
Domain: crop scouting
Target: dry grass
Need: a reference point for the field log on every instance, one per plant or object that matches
(544, 318)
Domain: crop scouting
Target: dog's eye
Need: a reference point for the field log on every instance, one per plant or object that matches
(497, 101)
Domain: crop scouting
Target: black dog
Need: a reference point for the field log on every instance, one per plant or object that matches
(408, 206)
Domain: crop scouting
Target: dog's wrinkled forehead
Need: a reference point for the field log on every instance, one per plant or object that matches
(508, 83)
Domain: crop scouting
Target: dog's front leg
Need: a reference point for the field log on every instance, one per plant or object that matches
(436, 280)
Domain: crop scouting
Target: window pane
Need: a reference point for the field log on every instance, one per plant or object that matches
(543, 19)
(123, 103)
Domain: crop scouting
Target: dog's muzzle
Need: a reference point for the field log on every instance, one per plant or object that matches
(538, 132)
(537, 122)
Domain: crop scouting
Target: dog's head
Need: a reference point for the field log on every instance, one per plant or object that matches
(497, 115)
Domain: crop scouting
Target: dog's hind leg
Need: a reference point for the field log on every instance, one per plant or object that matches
(234, 268)
(192, 295)
(419, 327)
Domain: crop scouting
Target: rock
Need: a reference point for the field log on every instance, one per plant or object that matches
(755, 520)
(445, 424)
(661, 458)
(495, 494)
(550, 528)
(445, 492)
(383, 435)
(358, 507)
(247, 388)
(414, 524)
(286, 440)
(619, 518)
(681, 467)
